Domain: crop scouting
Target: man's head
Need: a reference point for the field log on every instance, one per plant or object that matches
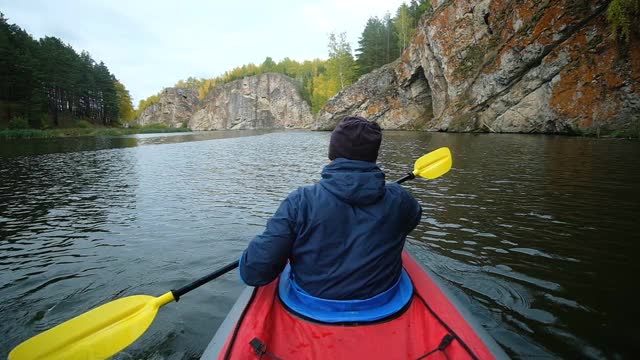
(355, 138)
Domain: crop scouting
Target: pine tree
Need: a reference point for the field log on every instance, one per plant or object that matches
(48, 77)
(370, 54)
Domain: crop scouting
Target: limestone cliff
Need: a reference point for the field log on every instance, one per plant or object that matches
(503, 66)
(264, 101)
(267, 101)
(385, 96)
(174, 109)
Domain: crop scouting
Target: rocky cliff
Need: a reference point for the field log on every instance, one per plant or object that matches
(174, 109)
(267, 101)
(385, 96)
(264, 101)
(503, 66)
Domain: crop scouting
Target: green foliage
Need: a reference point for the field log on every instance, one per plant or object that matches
(341, 65)
(383, 40)
(42, 122)
(155, 126)
(82, 124)
(404, 25)
(23, 134)
(191, 82)
(18, 123)
(624, 17)
(417, 8)
(125, 105)
(317, 86)
(145, 103)
(378, 45)
(268, 65)
(93, 131)
(46, 76)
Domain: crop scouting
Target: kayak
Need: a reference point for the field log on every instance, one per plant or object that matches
(432, 326)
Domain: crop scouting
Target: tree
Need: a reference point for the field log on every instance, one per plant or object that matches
(47, 77)
(268, 65)
(371, 53)
(288, 67)
(191, 82)
(416, 9)
(109, 109)
(125, 105)
(341, 64)
(404, 25)
(391, 48)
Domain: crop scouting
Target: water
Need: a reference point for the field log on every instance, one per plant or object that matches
(536, 235)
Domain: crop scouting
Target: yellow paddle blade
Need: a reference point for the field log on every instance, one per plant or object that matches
(96, 334)
(434, 164)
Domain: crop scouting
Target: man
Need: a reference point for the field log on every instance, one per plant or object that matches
(343, 236)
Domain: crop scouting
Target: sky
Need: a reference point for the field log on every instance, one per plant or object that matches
(149, 45)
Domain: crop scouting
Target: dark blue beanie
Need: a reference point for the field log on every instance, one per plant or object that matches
(355, 138)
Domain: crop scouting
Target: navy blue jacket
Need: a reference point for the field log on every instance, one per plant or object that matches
(343, 236)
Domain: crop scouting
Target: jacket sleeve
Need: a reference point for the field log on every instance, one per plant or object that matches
(414, 212)
(267, 254)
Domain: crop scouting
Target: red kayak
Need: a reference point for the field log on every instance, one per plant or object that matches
(431, 327)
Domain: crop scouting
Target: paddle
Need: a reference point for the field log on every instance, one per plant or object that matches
(430, 166)
(109, 328)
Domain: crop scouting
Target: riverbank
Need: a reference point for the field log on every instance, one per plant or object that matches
(78, 132)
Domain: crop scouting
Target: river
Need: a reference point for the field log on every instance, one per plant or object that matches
(534, 234)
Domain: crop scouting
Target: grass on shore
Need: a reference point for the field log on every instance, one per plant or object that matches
(86, 131)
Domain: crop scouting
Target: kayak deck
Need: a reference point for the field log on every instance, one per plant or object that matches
(431, 327)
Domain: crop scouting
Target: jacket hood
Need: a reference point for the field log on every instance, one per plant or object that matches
(353, 181)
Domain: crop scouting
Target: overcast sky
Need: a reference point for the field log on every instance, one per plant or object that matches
(149, 45)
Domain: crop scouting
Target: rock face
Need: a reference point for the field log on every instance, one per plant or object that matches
(267, 101)
(174, 109)
(504, 66)
(264, 101)
(385, 96)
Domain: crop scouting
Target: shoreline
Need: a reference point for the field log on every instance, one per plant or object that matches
(26, 134)
(8, 134)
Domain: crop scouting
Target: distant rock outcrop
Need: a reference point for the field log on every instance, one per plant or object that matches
(174, 109)
(267, 101)
(503, 66)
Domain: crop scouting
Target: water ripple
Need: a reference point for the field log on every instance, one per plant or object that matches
(534, 234)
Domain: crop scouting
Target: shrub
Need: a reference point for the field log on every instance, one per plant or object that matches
(18, 123)
(83, 124)
(624, 16)
(43, 122)
(155, 126)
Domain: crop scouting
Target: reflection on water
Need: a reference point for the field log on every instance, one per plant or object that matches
(20, 147)
(534, 234)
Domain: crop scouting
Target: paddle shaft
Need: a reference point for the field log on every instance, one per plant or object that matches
(203, 280)
(409, 176)
(216, 274)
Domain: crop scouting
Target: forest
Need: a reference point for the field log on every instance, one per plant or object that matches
(45, 83)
